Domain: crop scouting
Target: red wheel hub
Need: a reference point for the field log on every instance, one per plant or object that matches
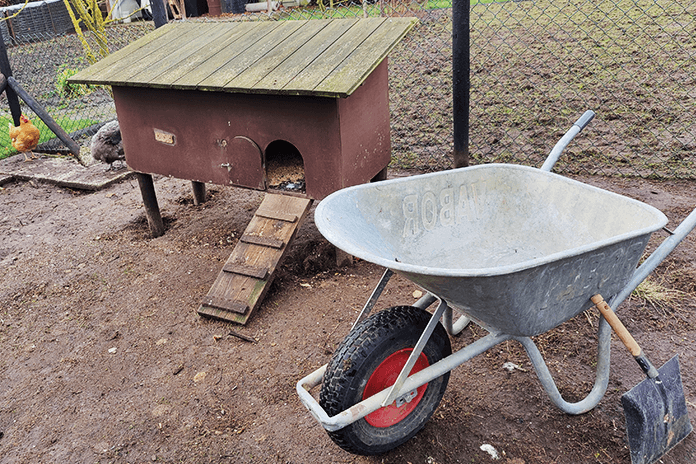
(383, 377)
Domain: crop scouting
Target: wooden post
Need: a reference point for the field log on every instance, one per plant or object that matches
(152, 212)
(381, 175)
(343, 259)
(147, 185)
(198, 192)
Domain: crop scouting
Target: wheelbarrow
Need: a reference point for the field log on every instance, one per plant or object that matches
(515, 249)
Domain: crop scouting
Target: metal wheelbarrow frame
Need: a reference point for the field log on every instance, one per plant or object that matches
(405, 386)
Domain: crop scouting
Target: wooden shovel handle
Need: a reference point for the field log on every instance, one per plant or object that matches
(617, 325)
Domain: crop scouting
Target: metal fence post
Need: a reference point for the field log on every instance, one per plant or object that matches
(460, 81)
(159, 13)
(12, 98)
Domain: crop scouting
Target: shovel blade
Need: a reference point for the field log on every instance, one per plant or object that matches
(656, 415)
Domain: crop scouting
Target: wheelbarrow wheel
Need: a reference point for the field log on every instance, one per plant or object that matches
(368, 361)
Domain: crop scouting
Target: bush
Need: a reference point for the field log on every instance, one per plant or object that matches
(68, 89)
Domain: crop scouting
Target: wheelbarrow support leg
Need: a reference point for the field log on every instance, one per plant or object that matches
(198, 189)
(452, 328)
(367, 309)
(417, 350)
(601, 379)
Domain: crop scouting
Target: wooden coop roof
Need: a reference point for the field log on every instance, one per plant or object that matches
(326, 57)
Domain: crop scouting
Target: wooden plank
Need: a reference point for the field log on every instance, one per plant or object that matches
(156, 75)
(184, 75)
(289, 69)
(353, 71)
(333, 56)
(278, 215)
(249, 290)
(225, 304)
(99, 73)
(218, 313)
(243, 269)
(219, 58)
(233, 68)
(284, 51)
(223, 315)
(280, 207)
(262, 241)
(176, 39)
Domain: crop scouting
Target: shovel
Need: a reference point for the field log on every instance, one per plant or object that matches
(655, 409)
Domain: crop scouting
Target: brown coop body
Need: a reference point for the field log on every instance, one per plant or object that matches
(221, 138)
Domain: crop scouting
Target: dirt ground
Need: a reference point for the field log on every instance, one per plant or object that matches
(104, 358)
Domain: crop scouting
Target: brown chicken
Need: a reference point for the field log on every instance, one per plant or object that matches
(25, 137)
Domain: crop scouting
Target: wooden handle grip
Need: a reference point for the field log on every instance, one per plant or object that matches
(617, 325)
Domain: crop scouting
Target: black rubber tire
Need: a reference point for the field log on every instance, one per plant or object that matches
(362, 351)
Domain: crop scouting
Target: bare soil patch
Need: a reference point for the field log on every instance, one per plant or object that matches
(104, 358)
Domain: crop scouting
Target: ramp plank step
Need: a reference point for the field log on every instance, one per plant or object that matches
(242, 269)
(278, 215)
(263, 241)
(216, 313)
(225, 304)
(248, 272)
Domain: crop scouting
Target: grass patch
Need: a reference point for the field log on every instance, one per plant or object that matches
(65, 88)
(405, 160)
(68, 124)
(653, 293)
(340, 10)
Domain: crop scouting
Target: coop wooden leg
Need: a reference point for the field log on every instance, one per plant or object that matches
(198, 192)
(343, 259)
(147, 190)
(381, 175)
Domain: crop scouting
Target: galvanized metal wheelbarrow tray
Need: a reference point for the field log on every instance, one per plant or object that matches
(518, 250)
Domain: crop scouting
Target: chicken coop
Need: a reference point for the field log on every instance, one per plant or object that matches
(297, 108)
(239, 103)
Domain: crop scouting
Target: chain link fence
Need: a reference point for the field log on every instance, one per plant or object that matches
(536, 66)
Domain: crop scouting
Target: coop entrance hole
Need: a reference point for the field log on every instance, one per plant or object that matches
(284, 167)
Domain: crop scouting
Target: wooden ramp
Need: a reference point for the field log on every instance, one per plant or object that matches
(244, 279)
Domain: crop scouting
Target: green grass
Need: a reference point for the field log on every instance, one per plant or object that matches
(68, 124)
(65, 88)
(355, 11)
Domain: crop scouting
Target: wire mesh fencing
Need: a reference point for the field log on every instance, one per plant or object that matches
(536, 66)
(42, 63)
